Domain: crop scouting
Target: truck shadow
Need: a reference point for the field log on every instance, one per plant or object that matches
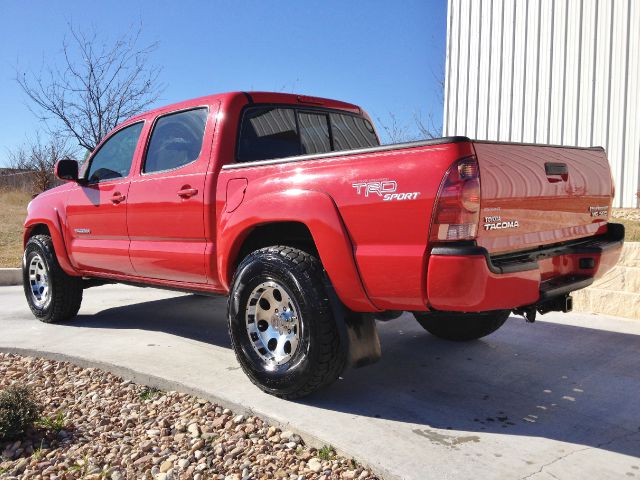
(566, 383)
(191, 316)
(572, 384)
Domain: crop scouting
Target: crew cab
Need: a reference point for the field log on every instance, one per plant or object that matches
(289, 205)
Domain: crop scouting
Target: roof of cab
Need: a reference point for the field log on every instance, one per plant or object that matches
(253, 97)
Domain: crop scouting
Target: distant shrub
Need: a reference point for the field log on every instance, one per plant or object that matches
(19, 410)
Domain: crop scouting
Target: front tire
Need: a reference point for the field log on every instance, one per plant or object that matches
(461, 327)
(52, 295)
(282, 327)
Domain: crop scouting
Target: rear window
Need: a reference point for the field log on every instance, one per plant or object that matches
(314, 133)
(268, 133)
(276, 132)
(352, 132)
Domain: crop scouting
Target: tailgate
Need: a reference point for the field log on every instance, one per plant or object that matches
(535, 195)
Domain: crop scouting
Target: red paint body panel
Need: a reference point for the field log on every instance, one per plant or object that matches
(465, 283)
(376, 252)
(549, 208)
(167, 231)
(97, 228)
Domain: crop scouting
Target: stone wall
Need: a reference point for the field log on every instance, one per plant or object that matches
(618, 292)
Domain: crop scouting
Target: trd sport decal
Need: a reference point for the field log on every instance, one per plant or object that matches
(387, 189)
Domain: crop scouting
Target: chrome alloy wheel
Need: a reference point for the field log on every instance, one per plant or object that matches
(39, 281)
(273, 324)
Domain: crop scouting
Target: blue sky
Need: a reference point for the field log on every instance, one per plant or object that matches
(381, 55)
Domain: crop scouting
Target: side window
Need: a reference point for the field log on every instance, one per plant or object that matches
(314, 132)
(176, 140)
(268, 133)
(352, 132)
(114, 158)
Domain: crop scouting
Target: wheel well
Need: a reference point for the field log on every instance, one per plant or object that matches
(38, 229)
(292, 234)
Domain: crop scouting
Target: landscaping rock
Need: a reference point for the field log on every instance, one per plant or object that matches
(115, 429)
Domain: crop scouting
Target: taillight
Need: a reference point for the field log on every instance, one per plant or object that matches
(457, 210)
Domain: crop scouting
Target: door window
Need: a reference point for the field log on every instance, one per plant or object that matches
(176, 140)
(114, 158)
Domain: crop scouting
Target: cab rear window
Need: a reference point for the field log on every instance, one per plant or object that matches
(276, 132)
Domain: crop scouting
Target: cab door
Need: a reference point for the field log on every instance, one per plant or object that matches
(96, 209)
(166, 208)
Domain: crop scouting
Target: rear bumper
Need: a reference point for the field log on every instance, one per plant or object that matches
(465, 278)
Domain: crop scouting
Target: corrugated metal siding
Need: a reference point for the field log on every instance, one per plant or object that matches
(563, 72)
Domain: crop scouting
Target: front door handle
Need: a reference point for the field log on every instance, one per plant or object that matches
(117, 198)
(187, 192)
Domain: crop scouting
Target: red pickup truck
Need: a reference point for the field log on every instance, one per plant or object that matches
(289, 205)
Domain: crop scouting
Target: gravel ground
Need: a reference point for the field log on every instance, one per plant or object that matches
(111, 428)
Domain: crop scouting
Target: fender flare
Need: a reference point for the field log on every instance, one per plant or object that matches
(54, 225)
(319, 213)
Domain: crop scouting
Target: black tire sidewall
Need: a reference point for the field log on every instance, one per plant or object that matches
(35, 246)
(461, 327)
(256, 269)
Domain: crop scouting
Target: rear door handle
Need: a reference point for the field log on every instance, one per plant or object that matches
(187, 192)
(117, 198)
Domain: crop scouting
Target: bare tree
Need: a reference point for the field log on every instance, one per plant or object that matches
(420, 129)
(395, 131)
(37, 158)
(423, 127)
(96, 86)
(427, 128)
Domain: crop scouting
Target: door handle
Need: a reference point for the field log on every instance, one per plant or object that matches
(117, 198)
(187, 192)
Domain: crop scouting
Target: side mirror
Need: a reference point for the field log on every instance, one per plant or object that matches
(67, 170)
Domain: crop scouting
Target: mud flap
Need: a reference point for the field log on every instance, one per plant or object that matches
(358, 332)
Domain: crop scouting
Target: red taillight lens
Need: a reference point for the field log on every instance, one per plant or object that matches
(457, 211)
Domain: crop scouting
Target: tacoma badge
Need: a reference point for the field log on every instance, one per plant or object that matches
(496, 223)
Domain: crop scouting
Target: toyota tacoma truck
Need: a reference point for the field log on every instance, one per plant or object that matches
(290, 206)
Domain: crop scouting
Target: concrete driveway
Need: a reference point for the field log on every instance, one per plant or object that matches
(557, 399)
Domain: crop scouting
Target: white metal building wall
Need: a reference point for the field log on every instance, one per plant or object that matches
(564, 72)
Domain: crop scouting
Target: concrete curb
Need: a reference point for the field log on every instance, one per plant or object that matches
(10, 276)
(170, 385)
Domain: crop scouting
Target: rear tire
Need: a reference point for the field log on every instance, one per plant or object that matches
(52, 295)
(461, 327)
(281, 324)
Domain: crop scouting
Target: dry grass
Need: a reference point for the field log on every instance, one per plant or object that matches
(630, 218)
(13, 211)
(631, 229)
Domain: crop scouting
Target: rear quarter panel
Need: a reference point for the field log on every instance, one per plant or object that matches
(387, 238)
